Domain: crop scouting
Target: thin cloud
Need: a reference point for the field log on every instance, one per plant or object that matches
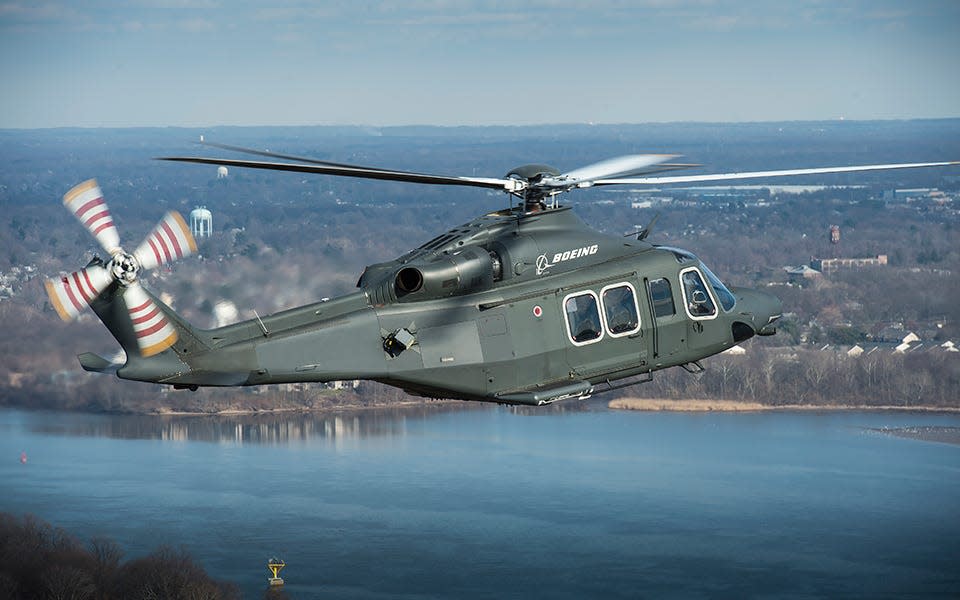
(34, 12)
(459, 20)
(176, 4)
(197, 26)
(19, 13)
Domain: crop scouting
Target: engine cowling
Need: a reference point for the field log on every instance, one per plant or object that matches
(447, 275)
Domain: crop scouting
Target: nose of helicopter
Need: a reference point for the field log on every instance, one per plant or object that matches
(760, 308)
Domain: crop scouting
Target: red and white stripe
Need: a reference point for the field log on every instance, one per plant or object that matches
(86, 203)
(154, 332)
(71, 293)
(170, 239)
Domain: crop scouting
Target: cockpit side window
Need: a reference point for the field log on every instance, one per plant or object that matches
(662, 297)
(582, 313)
(699, 303)
(620, 311)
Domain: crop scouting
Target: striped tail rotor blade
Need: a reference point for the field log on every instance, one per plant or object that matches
(71, 293)
(170, 239)
(151, 326)
(86, 203)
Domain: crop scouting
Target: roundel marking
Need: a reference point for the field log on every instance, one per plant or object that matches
(537, 311)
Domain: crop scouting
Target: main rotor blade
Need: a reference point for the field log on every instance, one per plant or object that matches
(631, 164)
(85, 201)
(755, 174)
(508, 185)
(151, 326)
(71, 293)
(170, 240)
(270, 154)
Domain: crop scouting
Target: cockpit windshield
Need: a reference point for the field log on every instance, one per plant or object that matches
(725, 296)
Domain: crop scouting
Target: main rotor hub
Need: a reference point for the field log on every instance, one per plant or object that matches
(125, 268)
(533, 173)
(531, 192)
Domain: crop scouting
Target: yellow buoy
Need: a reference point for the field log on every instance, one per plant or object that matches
(275, 564)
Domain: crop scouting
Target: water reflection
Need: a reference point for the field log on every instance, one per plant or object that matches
(272, 428)
(927, 433)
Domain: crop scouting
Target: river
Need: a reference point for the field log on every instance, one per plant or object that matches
(488, 502)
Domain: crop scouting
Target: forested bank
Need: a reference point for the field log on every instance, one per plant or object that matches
(40, 561)
(809, 377)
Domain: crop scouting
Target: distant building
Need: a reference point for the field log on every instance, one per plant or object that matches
(912, 194)
(350, 384)
(801, 274)
(856, 351)
(919, 195)
(643, 202)
(830, 265)
(908, 342)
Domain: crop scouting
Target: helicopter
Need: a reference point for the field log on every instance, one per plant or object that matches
(525, 305)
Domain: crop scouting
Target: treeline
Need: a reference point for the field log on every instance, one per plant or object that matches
(97, 393)
(797, 376)
(40, 561)
(39, 370)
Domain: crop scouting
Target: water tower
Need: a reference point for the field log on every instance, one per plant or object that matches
(201, 222)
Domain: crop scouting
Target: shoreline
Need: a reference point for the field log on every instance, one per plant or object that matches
(704, 405)
(688, 405)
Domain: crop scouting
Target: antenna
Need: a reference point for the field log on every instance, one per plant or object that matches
(263, 327)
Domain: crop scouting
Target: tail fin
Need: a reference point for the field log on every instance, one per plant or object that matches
(111, 307)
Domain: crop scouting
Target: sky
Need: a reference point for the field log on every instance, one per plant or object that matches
(198, 63)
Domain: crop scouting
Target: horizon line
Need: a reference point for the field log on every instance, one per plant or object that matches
(489, 125)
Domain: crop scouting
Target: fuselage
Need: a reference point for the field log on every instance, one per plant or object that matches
(511, 307)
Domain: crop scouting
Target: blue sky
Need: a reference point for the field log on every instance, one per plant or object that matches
(445, 62)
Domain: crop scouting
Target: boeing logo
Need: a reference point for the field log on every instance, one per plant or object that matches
(544, 263)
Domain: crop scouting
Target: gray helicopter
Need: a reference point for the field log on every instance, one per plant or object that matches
(525, 305)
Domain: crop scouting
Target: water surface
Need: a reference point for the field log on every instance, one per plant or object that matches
(488, 502)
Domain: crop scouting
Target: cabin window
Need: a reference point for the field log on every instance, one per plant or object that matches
(699, 303)
(662, 297)
(582, 313)
(620, 309)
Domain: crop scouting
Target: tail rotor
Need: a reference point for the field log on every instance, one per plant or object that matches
(170, 240)
(71, 293)
(154, 332)
(86, 203)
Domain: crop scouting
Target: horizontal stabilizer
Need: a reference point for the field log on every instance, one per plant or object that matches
(97, 364)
